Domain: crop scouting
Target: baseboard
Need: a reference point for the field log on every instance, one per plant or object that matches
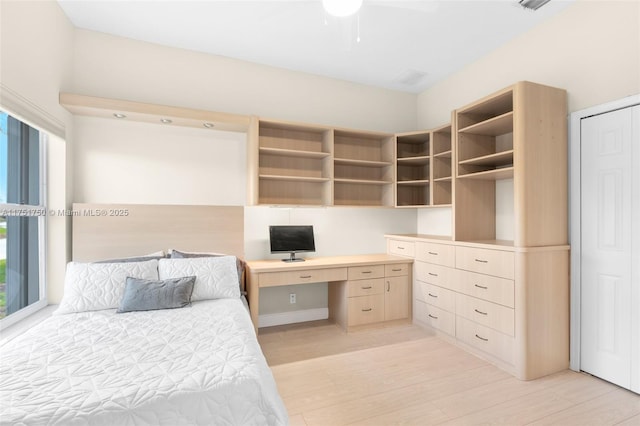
(269, 320)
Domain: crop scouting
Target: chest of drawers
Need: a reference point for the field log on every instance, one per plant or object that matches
(508, 305)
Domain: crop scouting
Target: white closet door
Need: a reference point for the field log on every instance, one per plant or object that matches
(609, 179)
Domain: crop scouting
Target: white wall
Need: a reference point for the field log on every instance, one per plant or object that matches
(591, 49)
(120, 68)
(128, 162)
(36, 54)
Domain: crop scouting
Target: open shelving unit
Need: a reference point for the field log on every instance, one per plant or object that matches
(514, 134)
(423, 163)
(363, 168)
(294, 164)
(300, 164)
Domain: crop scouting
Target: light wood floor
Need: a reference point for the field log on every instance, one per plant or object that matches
(406, 375)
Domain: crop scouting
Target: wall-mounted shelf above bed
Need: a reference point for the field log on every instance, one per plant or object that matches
(118, 109)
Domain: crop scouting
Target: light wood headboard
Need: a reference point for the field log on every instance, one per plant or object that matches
(110, 231)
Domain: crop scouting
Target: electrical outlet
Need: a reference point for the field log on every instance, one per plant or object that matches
(292, 298)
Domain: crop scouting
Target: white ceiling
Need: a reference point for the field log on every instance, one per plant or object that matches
(426, 40)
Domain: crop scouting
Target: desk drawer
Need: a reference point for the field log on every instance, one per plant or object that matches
(485, 261)
(497, 317)
(493, 289)
(365, 287)
(396, 269)
(302, 276)
(365, 272)
(401, 248)
(440, 254)
(365, 309)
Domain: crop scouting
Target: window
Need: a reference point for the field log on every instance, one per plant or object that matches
(22, 217)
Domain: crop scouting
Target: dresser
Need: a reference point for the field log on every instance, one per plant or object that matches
(507, 305)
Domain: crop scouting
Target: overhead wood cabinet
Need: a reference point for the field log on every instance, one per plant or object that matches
(424, 168)
(311, 165)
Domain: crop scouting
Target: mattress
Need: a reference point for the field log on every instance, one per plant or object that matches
(196, 365)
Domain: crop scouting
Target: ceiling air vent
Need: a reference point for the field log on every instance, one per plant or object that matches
(533, 4)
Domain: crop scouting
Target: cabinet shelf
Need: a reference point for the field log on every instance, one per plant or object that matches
(418, 161)
(363, 163)
(444, 154)
(494, 174)
(494, 126)
(293, 153)
(421, 182)
(498, 159)
(362, 181)
(294, 178)
(443, 179)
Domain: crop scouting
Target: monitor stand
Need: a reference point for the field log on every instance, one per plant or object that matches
(293, 258)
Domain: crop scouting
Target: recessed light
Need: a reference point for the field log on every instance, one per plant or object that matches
(165, 121)
(118, 115)
(209, 125)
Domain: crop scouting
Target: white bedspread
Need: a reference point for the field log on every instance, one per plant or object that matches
(196, 365)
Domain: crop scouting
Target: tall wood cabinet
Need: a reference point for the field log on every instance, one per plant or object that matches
(500, 288)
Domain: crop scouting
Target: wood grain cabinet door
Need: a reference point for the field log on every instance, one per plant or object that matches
(396, 298)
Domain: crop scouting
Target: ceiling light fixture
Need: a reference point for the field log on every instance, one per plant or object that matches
(533, 4)
(342, 8)
(118, 115)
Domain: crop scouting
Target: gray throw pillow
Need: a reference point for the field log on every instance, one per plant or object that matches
(147, 295)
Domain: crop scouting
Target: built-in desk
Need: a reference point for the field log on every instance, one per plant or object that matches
(363, 290)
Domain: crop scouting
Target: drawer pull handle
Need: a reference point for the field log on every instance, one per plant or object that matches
(480, 312)
(366, 288)
(432, 274)
(482, 338)
(366, 310)
(305, 276)
(431, 316)
(482, 287)
(432, 253)
(396, 270)
(433, 295)
(400, 248)
(365, 272)
(388, 286)
(482, 261)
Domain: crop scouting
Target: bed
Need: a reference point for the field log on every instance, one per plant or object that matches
(197, 364)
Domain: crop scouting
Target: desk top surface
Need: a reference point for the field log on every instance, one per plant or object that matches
(275, 265)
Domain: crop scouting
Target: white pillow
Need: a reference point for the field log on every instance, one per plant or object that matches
(96, 286)
(216, 277)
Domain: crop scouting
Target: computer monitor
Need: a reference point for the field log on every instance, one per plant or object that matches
(291, 239)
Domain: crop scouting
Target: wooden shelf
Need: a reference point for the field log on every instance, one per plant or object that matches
(498, 159)
(443, 179)
(495, 174)
(363, 163)
(413, 182)
(362, 181)
(294, 178)
(444, 154)
(418, 161)
(293, 153)
(492, 127)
